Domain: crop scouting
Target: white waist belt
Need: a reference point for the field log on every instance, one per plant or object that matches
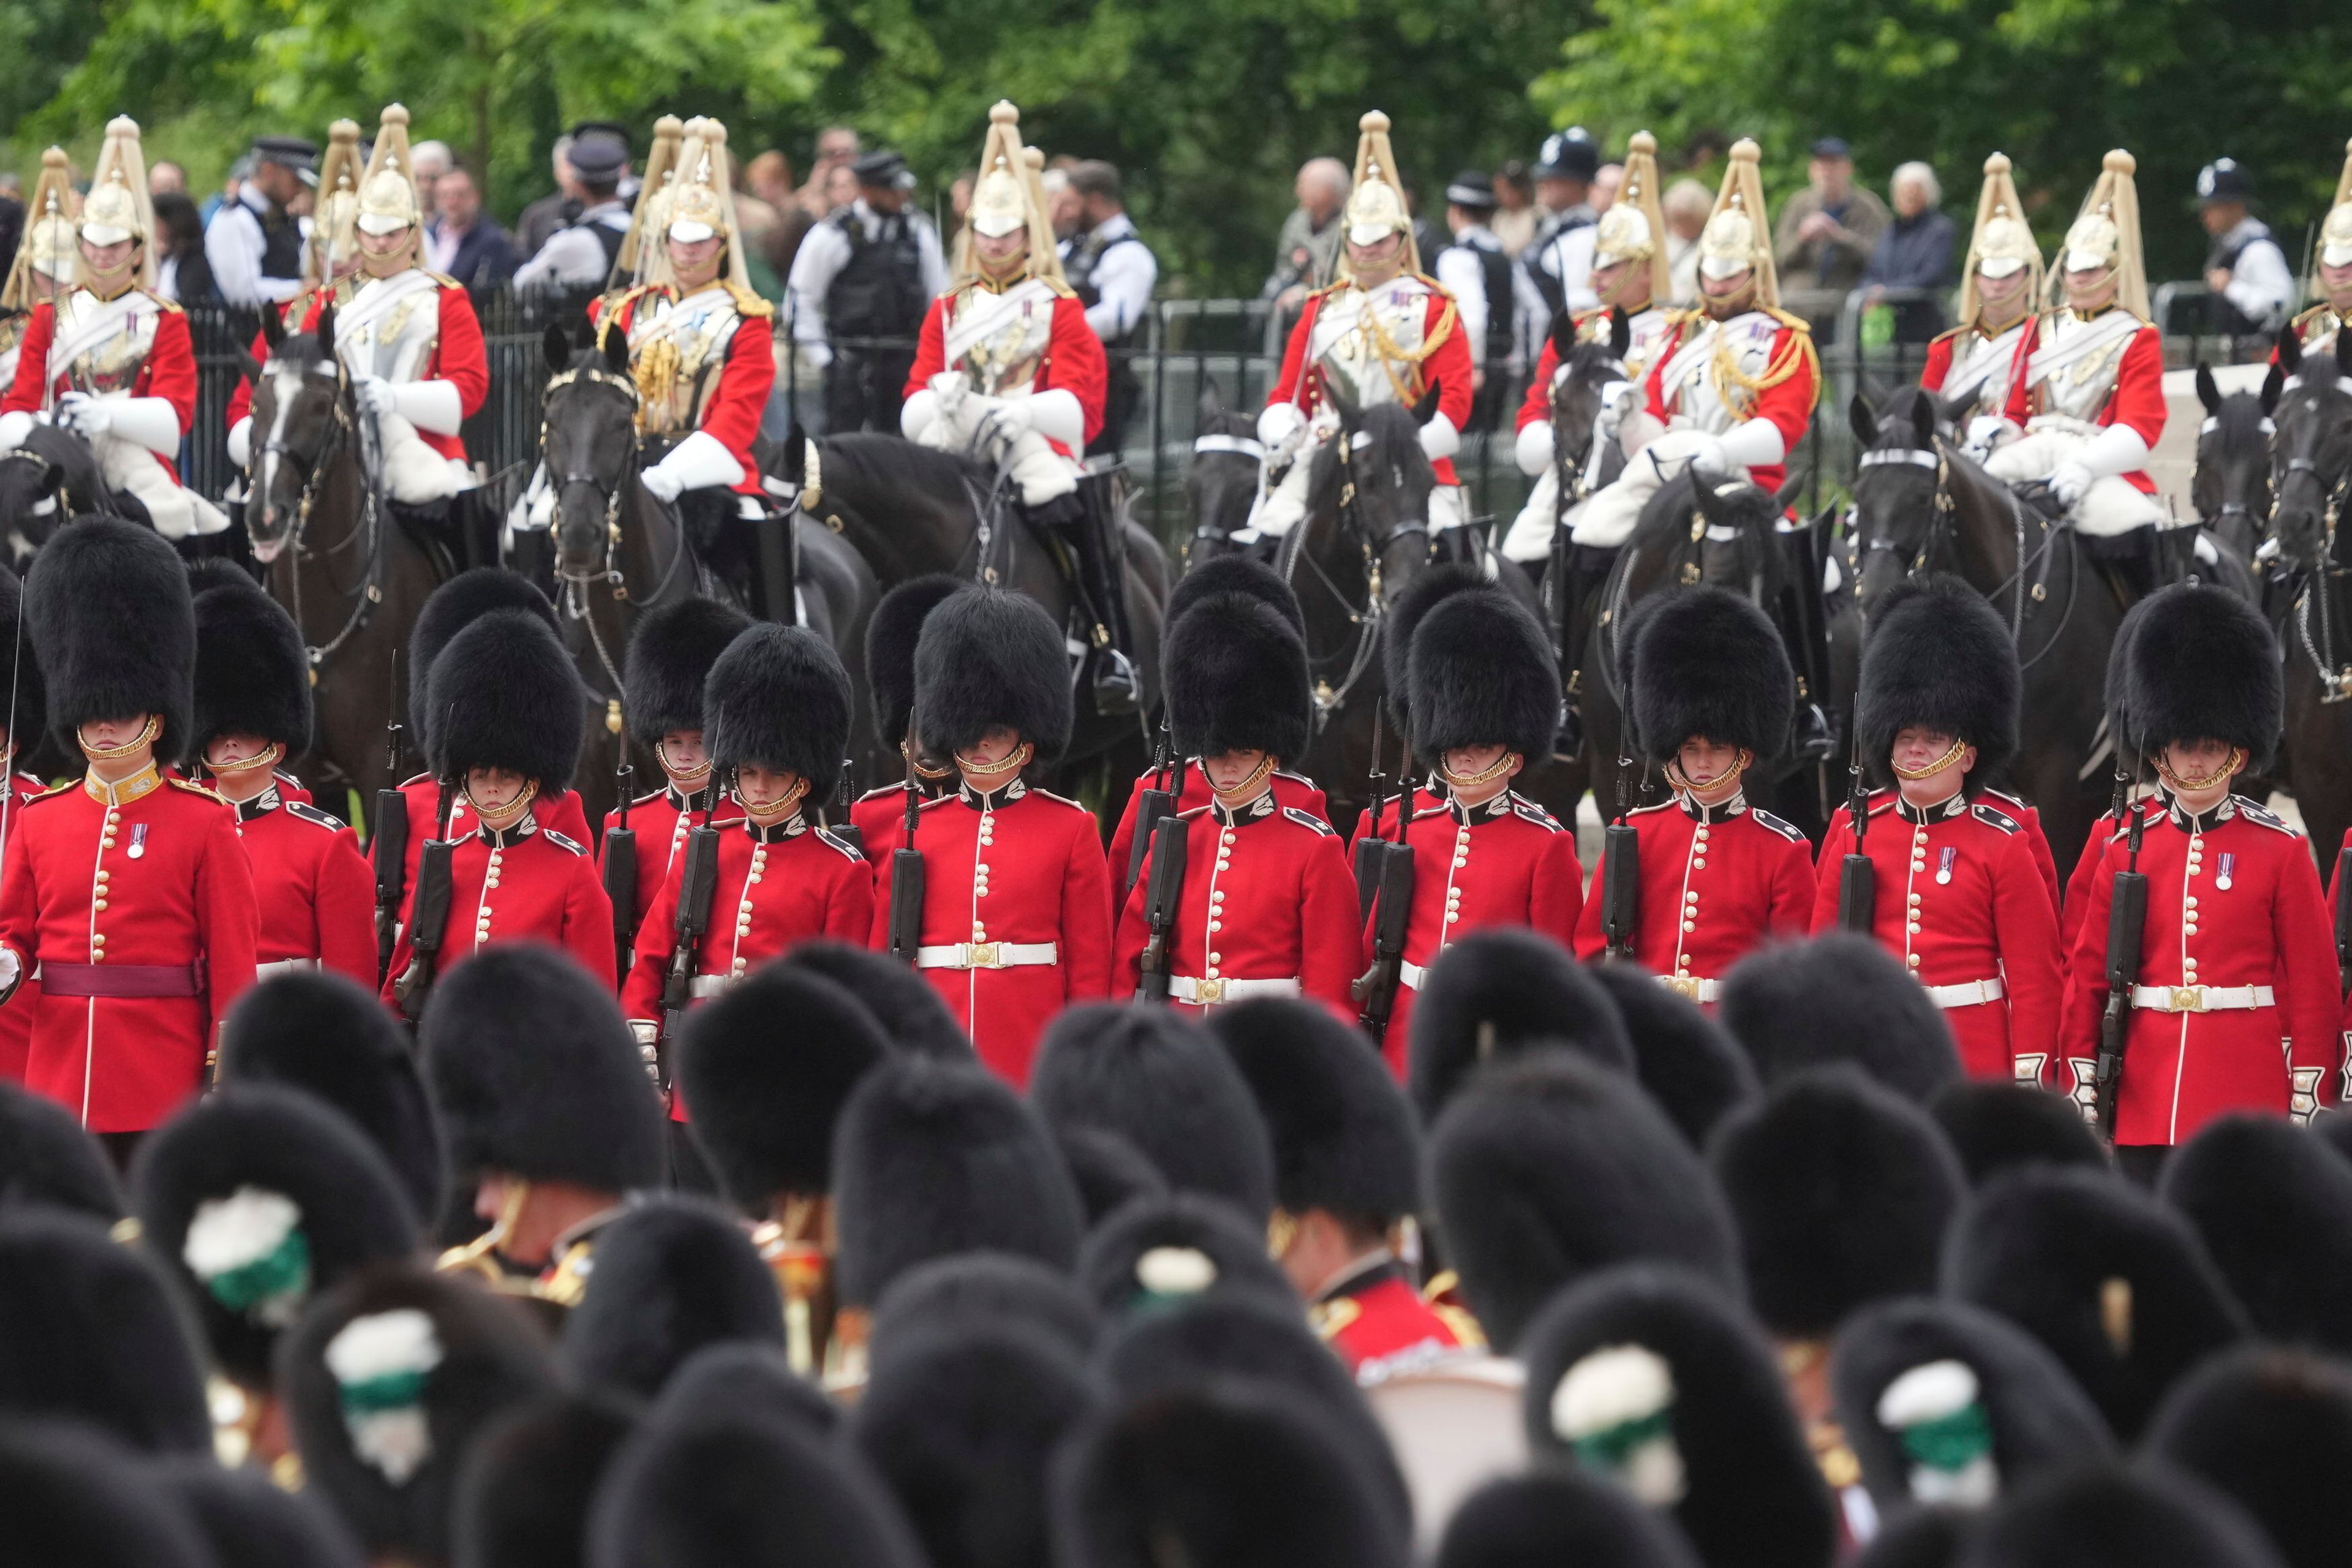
(1968, 993)
(709, 985)
(1696, 989)
(1206, 992)
(283, 966)
(987, 954)
(2201, 998)
(1412, 974)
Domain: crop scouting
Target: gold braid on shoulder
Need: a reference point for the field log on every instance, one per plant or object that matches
(1391, 355)
(1743, 391)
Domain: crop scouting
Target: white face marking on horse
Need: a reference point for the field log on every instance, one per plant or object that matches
(286, 389)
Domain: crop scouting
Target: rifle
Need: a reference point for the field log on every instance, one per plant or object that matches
(1857, 878)
(2343, 918)
(1368, 862)
(428, 920)
(1620, 874)
(1377, 988)
(698, 887)
(390, 850)
(845, 829)
(1159, 903)
(906, 879)
(621, 869)
(1151, 806)
(777, 586)
(2127, 918)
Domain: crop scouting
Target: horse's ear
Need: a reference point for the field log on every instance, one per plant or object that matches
(1923, 420)
(251, 366)
(557, 346)
(1351, 413)
(1426, 408)
(1786, 495)
(617, 351)
(1563, 336)
(273, 327)
(2209, 392)
(1951, 410)
(326, 328)
(2272, 384)
(794, 455)
(1864, 423)
(2344, 356)
(1212, 402)
(1710, 505)
(1621, 332)
(2290, 348)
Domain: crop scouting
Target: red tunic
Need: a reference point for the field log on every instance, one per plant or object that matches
(528, 884)
(1960, 902)
(17, 1011)
(880, 817)
(562, 812)
(315, 891)
(1788, 404)
(156, 883)
(1716, 883)
(168, 372)
(1267, 896)
(1018, 868)
(1939, 365)
(1073, 359)
(1507, 862)
(732, 414)
(2137, 399)
(2017, 810)
(780, 885)
(1449, 365)
(2234, 901)
(2086, 868)
(1378, 1325)
(661, 821)
(1294, 790)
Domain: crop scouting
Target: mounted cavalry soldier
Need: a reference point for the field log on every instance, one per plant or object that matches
(2090, 396)
(1007, 367)
(109, 359)
(44, 265)
(1384, 332)
(2331, 276)
(1970, 368)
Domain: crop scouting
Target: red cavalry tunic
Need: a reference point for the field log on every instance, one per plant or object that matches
(2236, 925)
(2137, 400)
(1268, 908)
(661, 820)
(1015, 927)
(1296, 791)
(140, 914)
(1073, 362)
(1788, 366)
(1506, 862)
(315, 891)
(528, 884)
(168, 371)
(731, 412)
(240, 401)
(1377, 1323)
(1448, 365)
(1716, 883)
(1960, 902)
(778, 886)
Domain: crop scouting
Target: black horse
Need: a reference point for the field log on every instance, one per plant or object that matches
(53, 474)
(2311, 472)
(1221, 485)
(2231, 485)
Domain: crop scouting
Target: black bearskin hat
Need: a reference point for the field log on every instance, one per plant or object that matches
(962, 1427)
(325, 1034)
(452, 607)
(1482, 673)
(1239, 573)
(2273, 1204)
(767, 1067)
(1236, 676)
(672, 1274)
(1241, 1475)
(48, 1159)
(75, 1497)
(1110, 1170)
(253, 1522)
(1654, 1377)
(671, 656)
(2204, 667)
(258, 1198)
(1710, 664)
(91, 1330)
(253, 676)
(536, 1075)
(504, 695)
(113, 629)
(1994, 1127)
(1689, 1063)
(1344, 1136)
(746, 1378)
(2113, 1515)
(1559, 1516)
(1161, 1082)
(1945, 1405)
(23, 708)
(1427, 590)
(1156, 1251)
(778, 698)
(992, 1287)
(1839, 997)
(2117, 1286)
(1939, 658)
(1498, 993)
(891, 637)
(914, 1016)
(525, 1490)
(1546, 1170)
(2272, 1428)
(937, 1157)
(1842, 1190)
(387, 1381)
(988, 658)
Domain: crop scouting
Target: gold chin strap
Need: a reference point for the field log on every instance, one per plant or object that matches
(267, 757)
(764, 814)
(1281, 1233)
(1500, 766)
(1932, 769)
(511, 814)
(1248, 790)
(923, 769)
(677, 774)
(146, 737)
(1019, 757)
(478, 1256)
(1740, 763)
(2229, 768)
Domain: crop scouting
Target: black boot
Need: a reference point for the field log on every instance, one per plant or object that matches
(1102, 605)
(1583, 573)
(2178, 548)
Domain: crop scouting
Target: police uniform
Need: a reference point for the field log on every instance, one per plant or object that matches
(1970, 367)
(1013, 924)
(1959, 898)
(1715, 881)
(330, 270)
(860, 281)
(132, 900)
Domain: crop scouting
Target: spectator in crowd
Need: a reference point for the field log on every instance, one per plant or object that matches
(1824, 237)
(427, 161)
(1061, 202)
(1477, 272)
(581, 254)
(1549, 280)
(860, 286)
(768, 177)
(12, 187)
(1564, 173)
(1606, 183)
(836, 147)
(550, 211)
(1308, 250)
(1113, 273)
(2252, 289)
(459, 240)
(1514, 208)
(255, 244)
(239, 171)
(1686, 205)
(182, 273)
(960, 196)
(164, 176)
(840, 186)
(1915, 252)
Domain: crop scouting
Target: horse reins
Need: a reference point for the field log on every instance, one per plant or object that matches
(370, 591)
(2335, 684)
(2039, 564)
(1329, 699)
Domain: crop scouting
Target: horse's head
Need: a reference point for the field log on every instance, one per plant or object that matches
(1222, 483)
(588, 444)
(1377, 481)
(41, 486)
(1587, 371)
(301, 418)
(1892, 531)
(2231, 487)
(1736, 543)
(2311, 459)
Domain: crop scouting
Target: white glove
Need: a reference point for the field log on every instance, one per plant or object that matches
(1754, 444)
(12, 969)
(1440, 438)
(1987, 432)
(2113, 452)
(1535, 447)
(698, 462)
(240, 442)
(2068, 481)
(85, 416)
(13, 428)
(429, 406)
(662, 484)
(1007, 422)
(1617, 400)
(1705, 450)
(1055, 414)
(373, 394)
(1278, 423)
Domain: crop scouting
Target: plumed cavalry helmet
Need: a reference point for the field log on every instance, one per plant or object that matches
(700, 202)
(2001, 244)
(2335, 231)
(644, 258)
(1008, 197)
(1634, 226)
(48, 247)
(388, 201)
(2105, 236)
(1739, 234)
(117, 207)
(1375, 207)
(334, 227)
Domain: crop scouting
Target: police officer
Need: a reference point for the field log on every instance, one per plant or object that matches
(1477, 273)
(2253, 285)
(581, 253)
(670, 658)
(1564, 172)
(859, 284)
(1113, 273)
(254, 245)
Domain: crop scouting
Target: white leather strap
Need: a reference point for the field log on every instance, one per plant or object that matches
(1412, 975)
(704, 986)
(1968, 993)
(987, 954)
(284, 966)
(2202, 998)
(1209, 992)
(1240, 445)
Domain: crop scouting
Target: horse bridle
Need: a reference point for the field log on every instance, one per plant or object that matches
(1938, 531)
(1571, 487)
(1348, 517)
(53, 481)
(340, 433)
(2335, 682)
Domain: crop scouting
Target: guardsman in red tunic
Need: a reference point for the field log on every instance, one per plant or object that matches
(109, 359)
(125, 888)
(1970, 368)
(1958, 896)
(509, 722)
(1384, 332)
(2235, 1006)
(1347, 1162)
(1266, 907)
(1713, 696)
(1484, 699)
(21, 713)
(671, 656)
(896, 625)
(314, 891)
(1015, 901)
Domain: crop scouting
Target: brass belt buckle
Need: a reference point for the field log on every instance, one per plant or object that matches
(1208, 991)
(1684, 984)
(2188, 999)
(983, 955)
